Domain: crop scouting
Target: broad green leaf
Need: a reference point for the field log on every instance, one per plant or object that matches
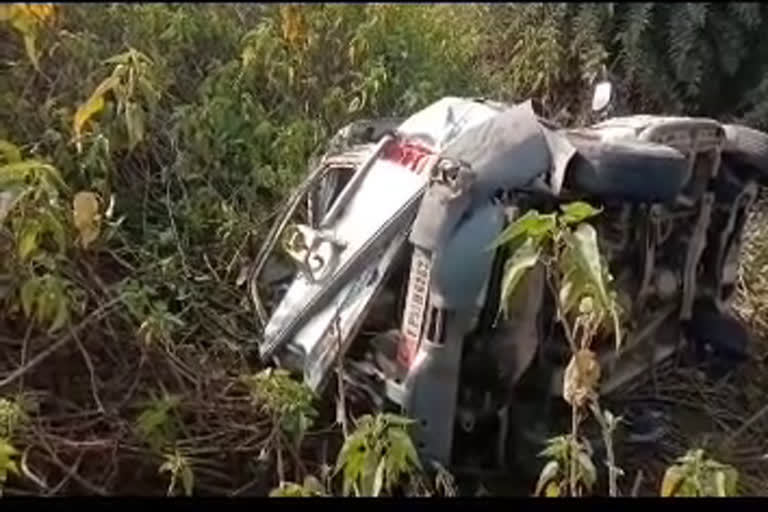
(583, 256)
(576, 212)
(548, 473)
(521, 261)
(10, 152)
(532, 225)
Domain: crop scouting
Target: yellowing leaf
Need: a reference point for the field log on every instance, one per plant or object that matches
(552, 490)
(86, 111)
(547, 475)
(581, 377)
(29, 45)
(673, 477)
(87, 218)
(94, 105)
(293, 25)
(26, 19)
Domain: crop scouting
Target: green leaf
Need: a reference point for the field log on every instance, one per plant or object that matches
(548, 473)
(51, 224)
(731, 481)
(62, 312)
(402, 440)
(576, 212)
(134, 124)
(532, 225)
(187, 478)
(378, 478)
(10, 152)
(28, 295)
(28, 239)
(396, 419)
(523, 259)
(30, 38)
(583, 264)
(588, 470)
(368, 472)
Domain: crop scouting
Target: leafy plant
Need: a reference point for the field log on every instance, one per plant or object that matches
(12, 416)
(132, 79)
(156, 424)
(286, 400)
(8, 461)
(310, 488)
(695, 475)
(27, 19)
(180, 470)
(567, 246)
(555, 478)
(45, 299)
(377, 455)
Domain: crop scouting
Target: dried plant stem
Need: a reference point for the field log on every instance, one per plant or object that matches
(607, 432)
(572, 476)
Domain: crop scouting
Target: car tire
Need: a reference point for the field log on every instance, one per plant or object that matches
(747, 146)
(625, 169)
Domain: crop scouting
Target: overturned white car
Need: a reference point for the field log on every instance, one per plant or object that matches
(393, 256)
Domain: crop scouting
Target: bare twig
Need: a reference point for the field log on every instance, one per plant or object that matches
(91, 372)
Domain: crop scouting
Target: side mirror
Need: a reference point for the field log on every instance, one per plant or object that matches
(602, 97)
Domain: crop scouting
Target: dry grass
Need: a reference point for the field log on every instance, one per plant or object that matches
(729, 418)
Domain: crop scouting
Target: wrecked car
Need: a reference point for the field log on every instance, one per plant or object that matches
(390, 268)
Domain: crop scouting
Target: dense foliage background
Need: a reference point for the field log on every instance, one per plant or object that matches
(157, 139)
